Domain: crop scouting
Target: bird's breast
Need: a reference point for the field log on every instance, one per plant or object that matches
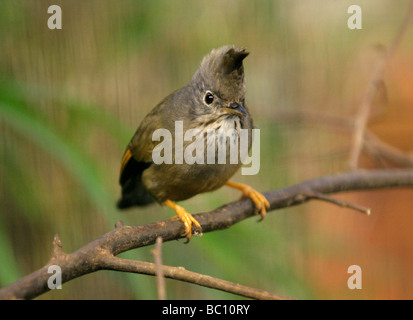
(210, 158)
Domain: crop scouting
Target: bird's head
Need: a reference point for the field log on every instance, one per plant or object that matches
(218, 86)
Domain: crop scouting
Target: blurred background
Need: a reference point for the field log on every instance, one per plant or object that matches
(71, 99)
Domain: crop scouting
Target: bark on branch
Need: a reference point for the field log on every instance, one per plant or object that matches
(100, 254)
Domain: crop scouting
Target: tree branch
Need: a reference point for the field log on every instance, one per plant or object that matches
(376, 78)
(180, 273)
(387, 151)
(371, 143)
(100, 253)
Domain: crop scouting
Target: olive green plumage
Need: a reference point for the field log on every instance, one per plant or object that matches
(213, 99)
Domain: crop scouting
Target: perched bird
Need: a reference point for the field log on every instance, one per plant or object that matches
(214, 99)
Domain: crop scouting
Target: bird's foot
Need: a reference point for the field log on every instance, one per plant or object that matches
(260, 202)
(188, 220)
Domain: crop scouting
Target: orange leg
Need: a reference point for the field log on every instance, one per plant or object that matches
(261, 204)
(185, 217)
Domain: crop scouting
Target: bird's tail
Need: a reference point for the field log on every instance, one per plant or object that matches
(134, 194)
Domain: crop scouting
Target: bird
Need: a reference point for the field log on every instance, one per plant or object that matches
(214, 99)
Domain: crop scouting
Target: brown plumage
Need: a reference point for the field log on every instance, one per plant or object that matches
(214, 99)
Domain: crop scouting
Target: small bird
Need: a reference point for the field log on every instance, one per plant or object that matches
(214, 99)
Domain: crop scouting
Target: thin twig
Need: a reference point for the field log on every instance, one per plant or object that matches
(338, 202)
(160, 279)
(375, 80)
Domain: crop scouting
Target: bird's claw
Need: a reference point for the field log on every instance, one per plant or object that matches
(260, 202)
(189, 221)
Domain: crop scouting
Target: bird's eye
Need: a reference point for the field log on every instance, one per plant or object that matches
(209, 97)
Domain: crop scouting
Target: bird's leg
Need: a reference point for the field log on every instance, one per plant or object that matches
(260, 202)
(185, 217)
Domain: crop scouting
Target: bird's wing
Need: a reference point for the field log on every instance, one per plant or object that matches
(138, 154)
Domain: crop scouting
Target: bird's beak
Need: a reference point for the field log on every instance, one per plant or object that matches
(236, 109)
